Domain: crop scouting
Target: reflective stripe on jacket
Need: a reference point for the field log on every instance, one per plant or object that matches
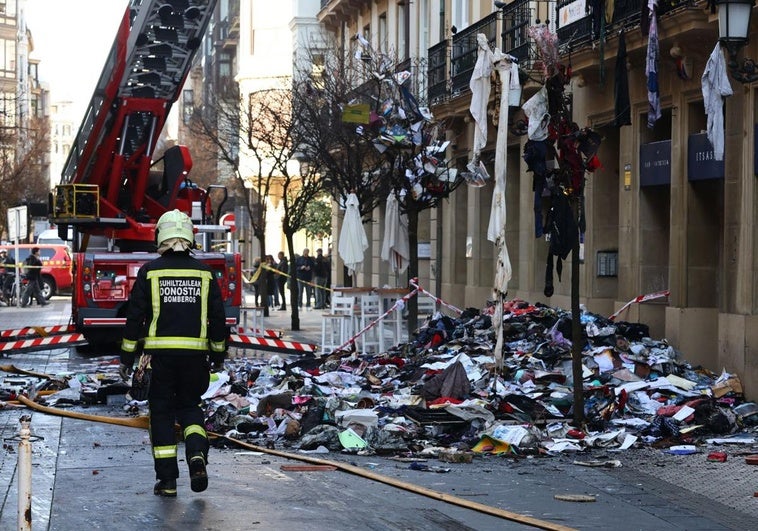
(176, 305)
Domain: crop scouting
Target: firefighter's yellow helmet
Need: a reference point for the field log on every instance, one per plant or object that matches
(174, 224)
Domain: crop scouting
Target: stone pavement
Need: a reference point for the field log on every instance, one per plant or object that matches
(94, 475)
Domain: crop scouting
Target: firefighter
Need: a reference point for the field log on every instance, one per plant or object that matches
(175, 307)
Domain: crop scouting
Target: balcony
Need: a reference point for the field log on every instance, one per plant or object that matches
(575, 26)
(464, 52)
(437, 73)
(449, 73)
(449, 76)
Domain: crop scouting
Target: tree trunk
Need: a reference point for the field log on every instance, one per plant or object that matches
(413, 267)
(262, 278)
(576, 326)
(295, 313)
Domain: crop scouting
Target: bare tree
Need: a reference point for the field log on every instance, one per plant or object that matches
(22, 168)
(264, 123)
(363, 115)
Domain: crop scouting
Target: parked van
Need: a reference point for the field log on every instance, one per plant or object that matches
(56, 265)
(50, 236)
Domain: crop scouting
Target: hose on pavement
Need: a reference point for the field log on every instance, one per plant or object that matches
(143, 422)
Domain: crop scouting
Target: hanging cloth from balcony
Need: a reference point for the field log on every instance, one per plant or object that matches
(480, 92)
(536, 110)
(651, 68)
(715, 85)
(623, 107)
(498, 219)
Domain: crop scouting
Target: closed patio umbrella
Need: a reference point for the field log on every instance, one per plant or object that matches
(395, 246)
(353, 241)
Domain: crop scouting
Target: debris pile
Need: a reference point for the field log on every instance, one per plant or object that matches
(441, 393)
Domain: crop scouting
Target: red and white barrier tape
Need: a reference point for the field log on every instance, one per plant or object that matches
(436, 299)
(268, 332)
(262, 343)
(372, 324)
(640, 298)
(42, 342)
(36, 330)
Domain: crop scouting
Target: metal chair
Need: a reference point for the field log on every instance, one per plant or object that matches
(371, 309)
(254, 314)
(426, 305)
(393, 324)
(337, 325)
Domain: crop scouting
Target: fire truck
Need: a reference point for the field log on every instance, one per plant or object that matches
(115, 186)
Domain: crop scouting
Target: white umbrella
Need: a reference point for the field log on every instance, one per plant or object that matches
(496, 228)
(353, 241)
(395, 247)
(480, 92)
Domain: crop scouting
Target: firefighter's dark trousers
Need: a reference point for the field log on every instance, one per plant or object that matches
(177, 384)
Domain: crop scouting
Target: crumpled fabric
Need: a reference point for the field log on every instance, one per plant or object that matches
(480, 91)
(651, 68)
(715, 85)
(452, 382)
(174, 244)
(535, 109)
(622, 104)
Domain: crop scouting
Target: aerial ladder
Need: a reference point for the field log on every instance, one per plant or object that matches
(112, 188)
(107, 186)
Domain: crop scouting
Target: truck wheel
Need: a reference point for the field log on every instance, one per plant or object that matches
(48, 286)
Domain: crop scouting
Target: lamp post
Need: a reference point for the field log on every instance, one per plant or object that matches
(734, 27)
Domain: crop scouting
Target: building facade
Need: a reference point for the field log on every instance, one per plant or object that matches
(662, 214)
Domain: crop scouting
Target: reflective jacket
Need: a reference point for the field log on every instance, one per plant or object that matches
(176, 306)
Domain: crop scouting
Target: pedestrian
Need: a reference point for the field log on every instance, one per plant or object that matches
(7, 275)
(272, 284)
(284, 266)
(328, 293)
(320, 272)
(304, 267)
(176, 308)
(33, 290)
(257, 272)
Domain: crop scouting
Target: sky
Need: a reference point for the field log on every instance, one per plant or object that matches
(72, 38)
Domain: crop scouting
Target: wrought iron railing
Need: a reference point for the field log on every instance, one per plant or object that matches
(626, 13)
(513, 22)
(464, 51)
(573, 24)
(516, 20)
(437, 72)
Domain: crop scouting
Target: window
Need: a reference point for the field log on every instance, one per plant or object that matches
(459, 16)
(8, 58)
(224, 65)
(8, 109)
(383, 44)
(252, 29)
(402, 32)
(34, 74)
(8, 12)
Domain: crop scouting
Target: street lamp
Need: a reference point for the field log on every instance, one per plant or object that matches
(734, 27)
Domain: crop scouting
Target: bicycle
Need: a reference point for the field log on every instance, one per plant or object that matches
(9, 289)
